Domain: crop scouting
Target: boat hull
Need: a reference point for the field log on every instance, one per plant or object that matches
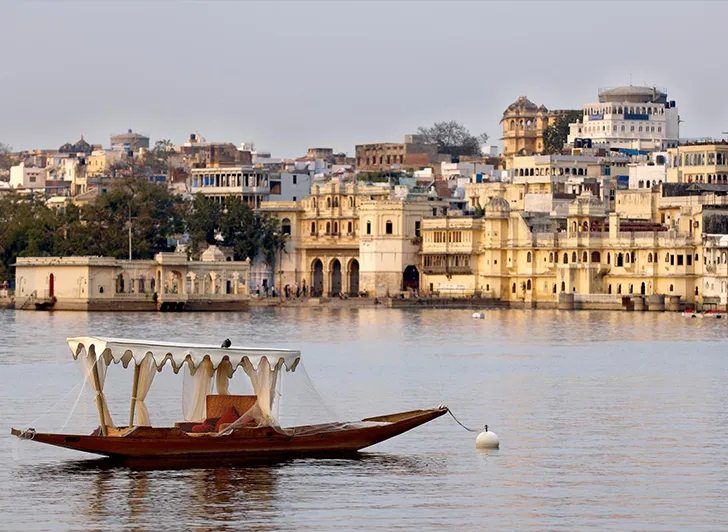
(149, 443)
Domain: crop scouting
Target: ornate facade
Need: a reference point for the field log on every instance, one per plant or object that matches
(523, 125)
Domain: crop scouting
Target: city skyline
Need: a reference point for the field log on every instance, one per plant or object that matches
(289, 76)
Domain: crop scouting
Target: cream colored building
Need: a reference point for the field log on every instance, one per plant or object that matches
(523, 124)
(348, 238)
(168, 282)
(698, 163)
(100, 162)
(592, 255)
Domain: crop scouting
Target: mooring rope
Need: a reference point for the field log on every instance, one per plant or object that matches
(458, 421)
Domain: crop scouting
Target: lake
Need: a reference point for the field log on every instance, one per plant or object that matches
(607, 420)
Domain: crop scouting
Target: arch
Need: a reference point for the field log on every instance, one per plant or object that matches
(388, 227)
(551, 256)
(626, 258)
(120, 284)
(350, 228)
(336, 228)
(620, 260)
(528, 284)
(596, 257)
(51, 285)
(354, 277)
(563, 286)
(632, 257)
(336, 201)
(328, 228)
(609, 258)
(619, 288)
(643, 289)
(631, 289)
(671, 288)
(566, 258)
(317, 277)
(573, 227)
(335, 268)
(585, 226)
(554, 289)
(696, 290)
(286, 226)
(573, 256)
(351, 202)
(411, 278)
(649, 257)
(528, 257)
(369, 228)
(584, 257)
(609, 291)
(328, 202)
(313, 228)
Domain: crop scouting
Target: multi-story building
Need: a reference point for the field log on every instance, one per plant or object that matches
(27, 177)
(101, 162)
(413, 153)
(347, 238)
(698, 162)
(523, 124)
(253, 185)
(639, 118)
(198, 152)
(589, 254)
(129, 142)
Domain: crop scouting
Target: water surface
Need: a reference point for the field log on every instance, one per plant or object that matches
(609, 420)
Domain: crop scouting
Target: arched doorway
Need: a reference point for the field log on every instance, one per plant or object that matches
(411, 278)
(317, 278)
(51, 285)
(335, 278)
(354, 278)
(643, 289)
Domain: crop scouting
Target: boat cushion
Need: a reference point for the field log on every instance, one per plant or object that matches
(230, 416)
(212, 421)
(203, 427)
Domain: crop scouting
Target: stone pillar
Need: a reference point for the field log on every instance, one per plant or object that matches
(236, 282)
(566, 301)
(656, 303)
(638, 303)
(672, 303)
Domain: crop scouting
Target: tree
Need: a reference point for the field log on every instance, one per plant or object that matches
(453, 138)
(202, 222)
(157, 159)
(5, 158)
(556, 134)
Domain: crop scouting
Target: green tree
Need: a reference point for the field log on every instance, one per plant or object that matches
(453, 138)
(556, 134)
(202, 222)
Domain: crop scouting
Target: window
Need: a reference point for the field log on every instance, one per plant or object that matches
(609, 258)
(672, 260)
(336, 228)
(369, 228)
(584, 257)
(566, 259)
(528, 258)
(513, 288)
(418, 228)
(573, 257)
(551, 257)
(690, 259)
(528, 284)
(349, 228)
(388, 227)
(294, 179)
(679, 260)
(328, 228)
(286, 226)
(328, 202)
(313, 228)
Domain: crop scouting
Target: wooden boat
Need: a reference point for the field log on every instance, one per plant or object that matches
(715, 314)
(253, 435)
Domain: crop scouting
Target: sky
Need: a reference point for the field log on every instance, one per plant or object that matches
(290, 75)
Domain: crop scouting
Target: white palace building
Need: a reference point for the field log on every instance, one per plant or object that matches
(635, 118)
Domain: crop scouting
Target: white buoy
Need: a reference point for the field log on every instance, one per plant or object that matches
(487, 440)
(478, 316)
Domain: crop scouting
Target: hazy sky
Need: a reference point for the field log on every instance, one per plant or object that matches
(293, 75)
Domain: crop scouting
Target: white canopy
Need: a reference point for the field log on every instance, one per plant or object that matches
(123, 350)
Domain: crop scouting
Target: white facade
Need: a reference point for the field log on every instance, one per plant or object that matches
(639, 118)
(22, 176)
(450, 170)
(715, 278)
(646, 175)
(253, 185)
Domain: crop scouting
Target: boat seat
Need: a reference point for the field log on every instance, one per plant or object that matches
(218, 404)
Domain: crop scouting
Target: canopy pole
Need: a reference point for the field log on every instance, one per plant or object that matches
(99, 400)
(134, 389)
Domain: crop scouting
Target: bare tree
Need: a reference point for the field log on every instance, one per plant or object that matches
(453, 138)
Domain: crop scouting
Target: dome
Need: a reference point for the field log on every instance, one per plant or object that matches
(632, 94)
(66, 148)
(497, 205)
(82, 146)
(522, 104)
